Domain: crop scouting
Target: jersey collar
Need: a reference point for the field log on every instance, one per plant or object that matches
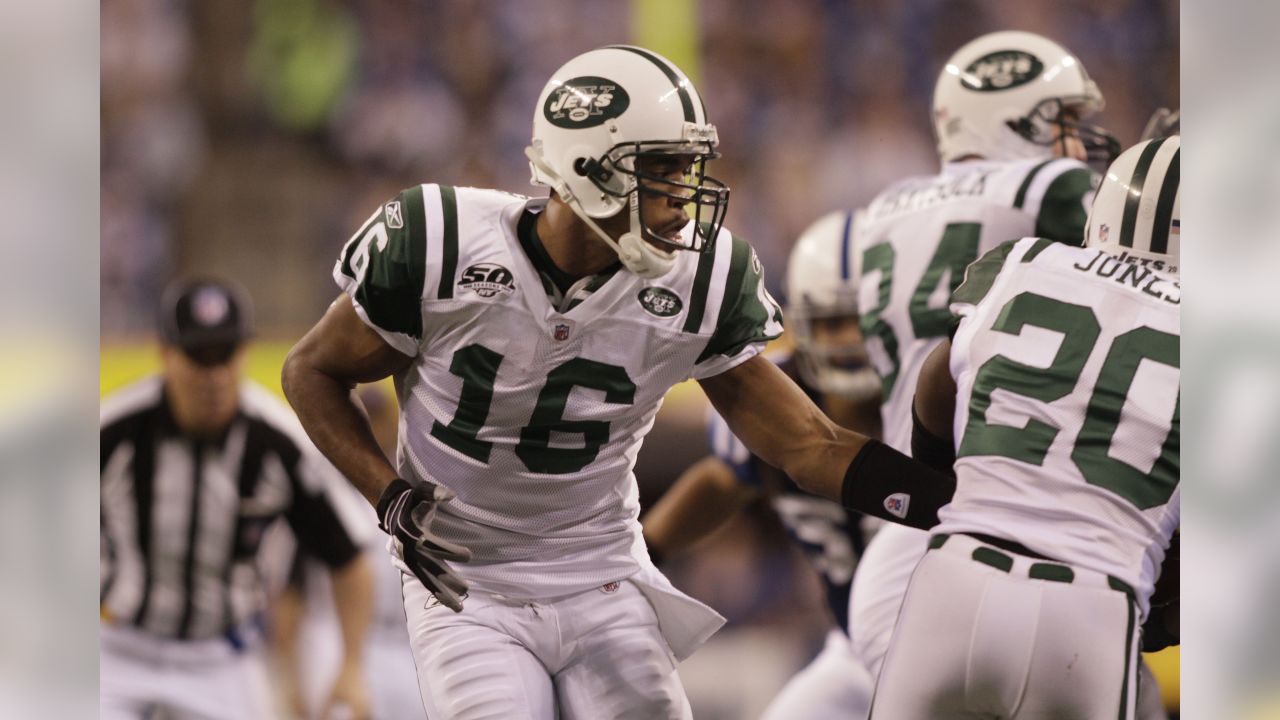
(565, 290)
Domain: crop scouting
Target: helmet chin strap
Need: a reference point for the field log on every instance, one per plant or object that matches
(636, 255)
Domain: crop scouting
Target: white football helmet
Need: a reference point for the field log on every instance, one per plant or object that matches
(1135, 215)
(602, 112)
(822, 286)
(1001, 96)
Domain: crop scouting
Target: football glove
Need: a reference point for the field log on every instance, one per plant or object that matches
(406, 512)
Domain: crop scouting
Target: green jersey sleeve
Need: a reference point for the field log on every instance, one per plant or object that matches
(978, 279)
(1065, 206)
(749, 316)
(383, 268)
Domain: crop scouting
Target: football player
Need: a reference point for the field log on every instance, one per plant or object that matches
(1008, 116)
(1058, 399)
(830, 364)
(532, 342)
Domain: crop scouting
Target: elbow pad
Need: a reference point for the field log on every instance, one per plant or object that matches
(884, 483)
(930, 449)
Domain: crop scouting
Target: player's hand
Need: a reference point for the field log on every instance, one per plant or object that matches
(406, 512)
(348, 699)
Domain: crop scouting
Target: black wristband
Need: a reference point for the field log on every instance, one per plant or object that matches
(388, 496)
(884, 483)
(930, 449)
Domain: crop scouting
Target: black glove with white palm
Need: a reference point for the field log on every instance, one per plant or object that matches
(406, 512)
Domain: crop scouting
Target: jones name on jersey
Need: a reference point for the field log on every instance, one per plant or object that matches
(536, 407)
(1068, 408)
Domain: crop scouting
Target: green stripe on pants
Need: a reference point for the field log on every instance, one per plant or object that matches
(1128, 662)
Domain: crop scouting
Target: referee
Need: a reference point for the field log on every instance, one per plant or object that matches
(196, 464)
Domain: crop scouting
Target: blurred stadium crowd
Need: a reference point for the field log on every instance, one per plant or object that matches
(233, 133)
(249, 139)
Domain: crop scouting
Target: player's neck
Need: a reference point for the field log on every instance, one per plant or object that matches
(572, 246)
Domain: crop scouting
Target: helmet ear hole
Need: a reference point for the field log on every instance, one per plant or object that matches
(591, 168)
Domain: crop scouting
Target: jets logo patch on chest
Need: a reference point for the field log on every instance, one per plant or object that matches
(660, 301)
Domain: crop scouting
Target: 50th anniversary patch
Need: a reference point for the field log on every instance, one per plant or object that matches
(487, 280)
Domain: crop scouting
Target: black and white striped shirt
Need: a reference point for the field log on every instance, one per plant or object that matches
(182, 518)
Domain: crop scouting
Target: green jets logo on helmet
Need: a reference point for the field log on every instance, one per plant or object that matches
(585, 102)
(1001, 70)
(660, 301)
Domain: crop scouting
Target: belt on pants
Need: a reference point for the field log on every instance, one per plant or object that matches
(1010, 557)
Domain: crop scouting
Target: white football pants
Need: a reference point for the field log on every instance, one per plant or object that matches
(595, 655)
(189, 680)
(988, 634)
(834, 685)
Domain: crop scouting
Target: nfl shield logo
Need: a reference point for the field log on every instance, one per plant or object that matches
(561, 332)
(897, 504)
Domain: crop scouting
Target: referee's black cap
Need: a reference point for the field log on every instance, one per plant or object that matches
(206, 318)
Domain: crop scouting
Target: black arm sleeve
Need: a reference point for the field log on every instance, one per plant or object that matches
(930, 449)
(884, 483)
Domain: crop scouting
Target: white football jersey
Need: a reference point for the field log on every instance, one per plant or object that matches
(1066, 362)
(533, 411)
(915, 239)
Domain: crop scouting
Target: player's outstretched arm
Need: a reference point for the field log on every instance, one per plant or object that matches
(319, 376)
(703, 499)
(779, 423)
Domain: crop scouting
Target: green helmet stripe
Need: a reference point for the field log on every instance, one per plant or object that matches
(1164, 207)
(1134, 196)
(686, 102)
